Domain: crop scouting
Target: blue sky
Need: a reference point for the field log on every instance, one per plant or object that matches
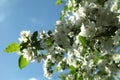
(18, 15)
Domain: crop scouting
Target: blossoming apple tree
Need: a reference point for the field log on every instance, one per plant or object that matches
(84, 41)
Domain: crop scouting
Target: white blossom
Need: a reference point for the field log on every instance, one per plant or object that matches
(88, 30)
(116, 58)
(116, 38)
(29, 55)
(24, 35)
(42, 34)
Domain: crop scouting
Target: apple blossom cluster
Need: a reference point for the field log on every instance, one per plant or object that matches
(27, 50)
(85, 42)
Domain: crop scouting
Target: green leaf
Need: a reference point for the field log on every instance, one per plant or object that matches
(71, 8)
(62, 17)
(13, 47)
(58, 2)
(22, 62)
(80, 78)
(96, 59)
(34, 36)
(63, 76)
(23, 45)
(72, 70)
(101, 2)
(49, 42)
(56, 69)
(82, 40)
(66, 8)
(49, 32)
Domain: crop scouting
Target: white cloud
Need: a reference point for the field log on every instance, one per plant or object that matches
(35, 21)
(33, 78)
(5, 7)
(6, 3)
(3, 2)
(2, 18)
